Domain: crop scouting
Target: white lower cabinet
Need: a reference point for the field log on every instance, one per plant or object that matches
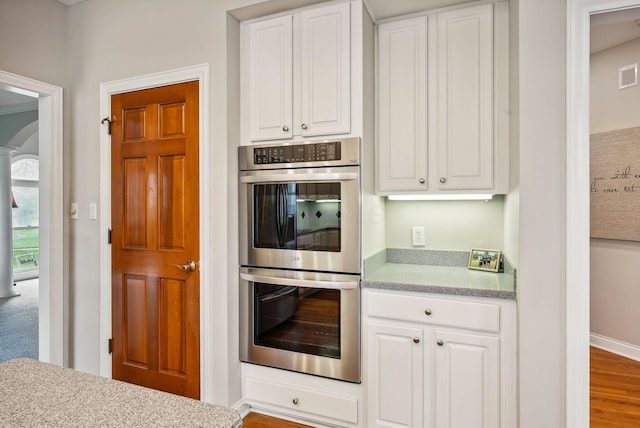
(311, 400)
(395, 376)
(467, 380)
(426, 365)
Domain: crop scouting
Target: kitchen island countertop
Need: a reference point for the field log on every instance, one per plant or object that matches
(451, 280)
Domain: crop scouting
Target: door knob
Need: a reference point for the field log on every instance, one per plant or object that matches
(190, 266)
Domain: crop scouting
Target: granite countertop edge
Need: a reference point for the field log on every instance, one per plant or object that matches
(438, 289)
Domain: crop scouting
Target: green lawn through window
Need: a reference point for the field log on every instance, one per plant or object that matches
(26, 252)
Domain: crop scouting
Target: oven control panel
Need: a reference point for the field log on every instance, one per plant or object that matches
(314, 152)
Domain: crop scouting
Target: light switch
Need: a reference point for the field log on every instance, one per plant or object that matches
(93, 211)
(74, 210)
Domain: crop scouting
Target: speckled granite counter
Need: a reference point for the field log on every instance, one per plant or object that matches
(402, 270)
(35, 394)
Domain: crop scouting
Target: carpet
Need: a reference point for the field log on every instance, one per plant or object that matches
(19, 322)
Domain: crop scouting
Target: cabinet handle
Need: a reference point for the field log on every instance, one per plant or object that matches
(427, 312)
(285, 128)
(421, 181)
(295, 401)
(303, 126)
(443, 180)
(416, 340)
(440, 342)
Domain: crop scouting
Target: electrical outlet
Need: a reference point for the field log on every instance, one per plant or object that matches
(417, 236)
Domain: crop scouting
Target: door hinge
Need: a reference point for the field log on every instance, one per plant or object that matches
(109, 236)
(111, 346)
(108, 120)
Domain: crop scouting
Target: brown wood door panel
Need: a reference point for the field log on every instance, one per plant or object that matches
(155, 221)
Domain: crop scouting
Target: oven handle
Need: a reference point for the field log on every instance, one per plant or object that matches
(313, 176)
(334, 285)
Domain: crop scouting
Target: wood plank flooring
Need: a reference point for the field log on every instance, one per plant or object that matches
(256, 420)
(615, 390)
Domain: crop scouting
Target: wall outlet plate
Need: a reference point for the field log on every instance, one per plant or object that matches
(417, 236)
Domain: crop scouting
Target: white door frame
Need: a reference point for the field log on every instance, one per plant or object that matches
(52, 314)
(578, 205)
(107, 89)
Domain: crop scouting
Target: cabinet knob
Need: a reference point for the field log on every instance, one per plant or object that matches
(421, 181)
(285, 128)
(427, 312)
(303, 126)
(440, 342)
(416, 340)
(443, 180)
(295, 401)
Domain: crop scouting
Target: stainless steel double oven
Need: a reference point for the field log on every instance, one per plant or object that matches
(300, 257)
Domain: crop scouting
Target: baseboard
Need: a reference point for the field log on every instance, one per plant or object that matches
(242, 408)
(617, 347)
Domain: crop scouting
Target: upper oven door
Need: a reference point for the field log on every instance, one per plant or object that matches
(305, 218)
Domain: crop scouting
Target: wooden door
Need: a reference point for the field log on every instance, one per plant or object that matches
(155, 223)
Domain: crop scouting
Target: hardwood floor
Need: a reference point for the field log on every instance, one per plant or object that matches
(615, 390)
(256, 420)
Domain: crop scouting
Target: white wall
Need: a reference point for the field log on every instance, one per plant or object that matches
(13, 124)
(121, 39)
(615, 266)
(610, 107)
(542, 265)
(33, 34)
(448, 225)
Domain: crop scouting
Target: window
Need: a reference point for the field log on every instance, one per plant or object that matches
(26, 234)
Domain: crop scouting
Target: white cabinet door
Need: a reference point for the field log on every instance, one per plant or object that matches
(467, 373)
(402, 106)
(465, 98)
(271, 79)
(395, 359)
(326, 71)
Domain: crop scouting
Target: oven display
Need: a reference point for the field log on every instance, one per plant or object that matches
(297, 153)
(298, 319)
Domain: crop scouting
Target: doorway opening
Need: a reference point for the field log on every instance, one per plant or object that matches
(52, 346)
(578, 206)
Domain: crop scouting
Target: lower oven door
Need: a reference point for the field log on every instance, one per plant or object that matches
(307, 322)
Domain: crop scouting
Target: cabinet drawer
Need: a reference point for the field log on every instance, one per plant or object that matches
(453, 313)
(305, 400)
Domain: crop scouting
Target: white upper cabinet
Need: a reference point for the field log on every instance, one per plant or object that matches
(271, 79)
(326, 78)
(298, 74)
(442, 107)
(465, 98)
(402, 101)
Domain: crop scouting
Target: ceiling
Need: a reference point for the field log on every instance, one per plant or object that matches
(12, 101)
(614, 28)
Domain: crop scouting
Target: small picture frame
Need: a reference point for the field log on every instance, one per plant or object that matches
(488, 260)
